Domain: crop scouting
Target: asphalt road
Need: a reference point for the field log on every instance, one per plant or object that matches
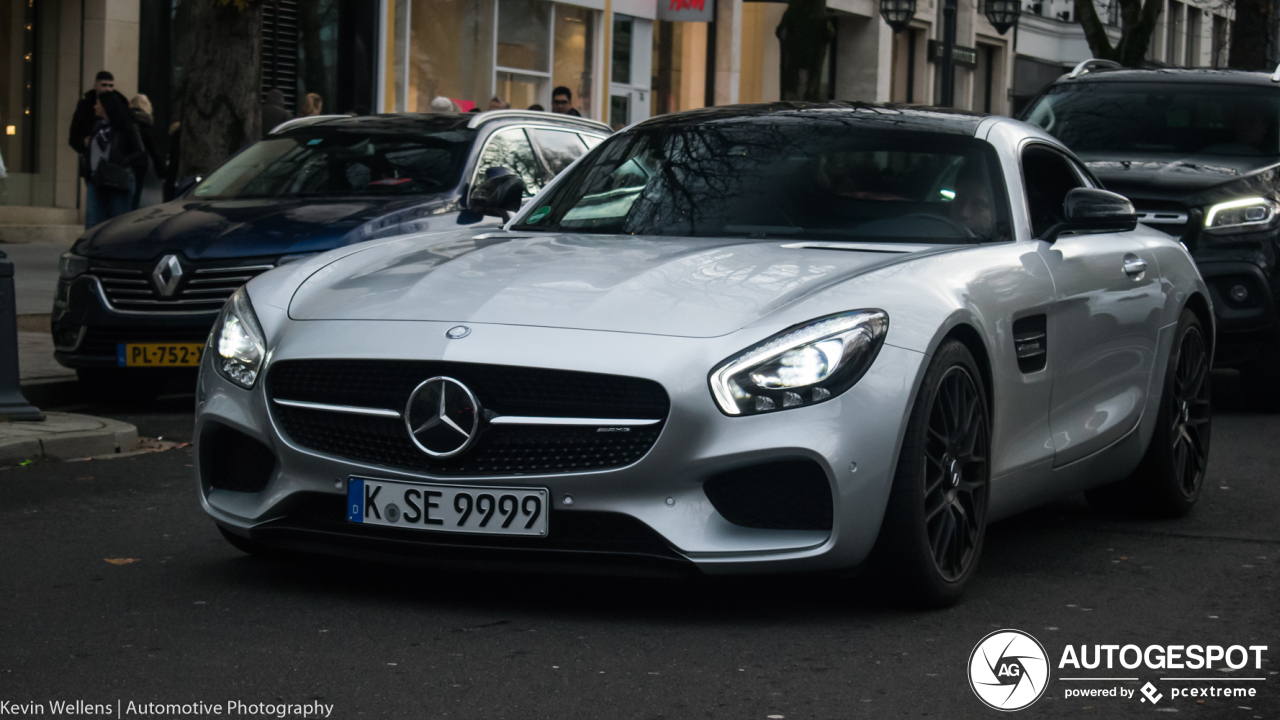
(194, 620)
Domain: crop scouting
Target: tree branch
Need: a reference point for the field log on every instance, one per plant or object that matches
(1094, 31)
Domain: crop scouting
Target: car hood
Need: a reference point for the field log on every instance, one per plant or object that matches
(691, 287)
(248, 228)
(1163, 176)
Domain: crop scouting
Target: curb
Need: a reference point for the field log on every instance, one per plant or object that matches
(54, 392)
(64, 436)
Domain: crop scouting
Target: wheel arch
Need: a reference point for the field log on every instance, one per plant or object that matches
(1199, 305)
(971, 338)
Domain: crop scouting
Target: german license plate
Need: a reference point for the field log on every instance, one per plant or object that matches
(448, 508)
(159, 354)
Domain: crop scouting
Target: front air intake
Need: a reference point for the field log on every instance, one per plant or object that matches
(234, 461)
(777, 495)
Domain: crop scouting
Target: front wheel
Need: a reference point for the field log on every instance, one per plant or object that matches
(1168, 481)
(936, 518)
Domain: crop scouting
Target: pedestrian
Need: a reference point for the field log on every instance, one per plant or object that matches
(114, 150)
(562, 102)
(443, 104)
(83, 119)
(312, 104)
(175, 156)
(497, 103)
(537, 108)
(140, 108)
(273, 111)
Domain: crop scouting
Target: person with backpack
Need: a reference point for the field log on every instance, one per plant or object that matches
(114, 148)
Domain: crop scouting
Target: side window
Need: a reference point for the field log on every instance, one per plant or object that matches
(558, 148)
(511, 149)
(1048, 177)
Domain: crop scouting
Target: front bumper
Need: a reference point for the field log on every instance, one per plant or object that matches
(86, 329)
(659, 502)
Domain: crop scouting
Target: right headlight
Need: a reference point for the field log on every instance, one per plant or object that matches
(239, 345)
(800, 366)
(1240, 215)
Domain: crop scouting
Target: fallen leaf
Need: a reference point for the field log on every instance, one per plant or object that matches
(24, 463)
(121, 561)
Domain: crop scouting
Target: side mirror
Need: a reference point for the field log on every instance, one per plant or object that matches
(499, 194)
(186, 184)
(1089, 210)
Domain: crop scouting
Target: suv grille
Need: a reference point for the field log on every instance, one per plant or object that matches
(1166, 216)
(202, 286)
(506, 390)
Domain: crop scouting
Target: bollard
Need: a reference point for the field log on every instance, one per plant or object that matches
(13, 406)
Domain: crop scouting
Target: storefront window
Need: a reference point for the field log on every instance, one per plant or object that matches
(668, 56)
(445, 54)
(621, 50)
(28, 74)
(574, 54)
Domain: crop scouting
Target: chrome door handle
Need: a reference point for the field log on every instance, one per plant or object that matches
(1134, 266)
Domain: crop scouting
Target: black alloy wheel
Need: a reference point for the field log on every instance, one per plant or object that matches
(936, 518)
(955, 495)
(1168, 481)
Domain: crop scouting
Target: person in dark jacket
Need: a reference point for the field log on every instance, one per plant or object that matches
(273, 111)
(175, 155)
(83, 119)
(114, 149)
(140, 109)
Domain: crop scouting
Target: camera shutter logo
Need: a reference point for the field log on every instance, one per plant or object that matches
(1008, 670)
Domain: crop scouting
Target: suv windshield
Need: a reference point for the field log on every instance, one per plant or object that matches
(1123, 117)
(342, 163)
(768, 177)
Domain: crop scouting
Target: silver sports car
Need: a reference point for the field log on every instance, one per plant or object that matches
(749, 339)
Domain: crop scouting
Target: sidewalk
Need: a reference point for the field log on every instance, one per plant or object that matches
(35, 280)
(64, 436)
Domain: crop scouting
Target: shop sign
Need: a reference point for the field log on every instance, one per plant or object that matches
(687, 10)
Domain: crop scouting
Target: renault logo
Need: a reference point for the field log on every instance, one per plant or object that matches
(166, 275)
(443, 417)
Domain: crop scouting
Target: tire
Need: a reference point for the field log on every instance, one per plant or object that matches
(1169, 480)
(936, 519)
(1261, 380)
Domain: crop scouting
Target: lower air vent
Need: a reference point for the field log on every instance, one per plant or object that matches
(234, 461)
(1030, 340)
(779, 495)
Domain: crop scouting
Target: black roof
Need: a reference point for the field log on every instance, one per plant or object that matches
(397, 122)
(1175, 75)
(888, 116)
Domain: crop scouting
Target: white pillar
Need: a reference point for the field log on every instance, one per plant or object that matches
(728, 51)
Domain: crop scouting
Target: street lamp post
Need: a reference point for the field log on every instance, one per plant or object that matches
(897, 13)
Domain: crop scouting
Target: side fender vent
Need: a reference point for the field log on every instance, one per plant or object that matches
(1030, 342)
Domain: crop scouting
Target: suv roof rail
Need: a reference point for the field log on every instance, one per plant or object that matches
(491, 115)
(1092, 64)
(302, 122)
(1275, 76)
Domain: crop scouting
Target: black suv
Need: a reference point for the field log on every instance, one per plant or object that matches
(1198, 153)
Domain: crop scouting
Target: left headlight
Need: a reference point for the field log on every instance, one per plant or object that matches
(72, 266)
(239, 345)
(800, 366)
(1240, 215)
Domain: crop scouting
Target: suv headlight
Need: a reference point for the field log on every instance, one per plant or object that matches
(72, 266)
(1243, 214)
(800, 366)
(239, 345)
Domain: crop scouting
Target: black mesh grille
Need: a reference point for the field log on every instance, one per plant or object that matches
(500, 449)
(235, 461)
(778, 495)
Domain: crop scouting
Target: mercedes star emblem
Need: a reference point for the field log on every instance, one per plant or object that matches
(443, 417)
(458, 332)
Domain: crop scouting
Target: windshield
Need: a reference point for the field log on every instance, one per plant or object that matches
(1112, 117)
(341, 163)
(820, 178)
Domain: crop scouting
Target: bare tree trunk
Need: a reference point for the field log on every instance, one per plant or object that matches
(1137, 24)
(221, 108)
(1250, 34)
(805, 35)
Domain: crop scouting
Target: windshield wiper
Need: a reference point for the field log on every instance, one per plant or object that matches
(761, 231)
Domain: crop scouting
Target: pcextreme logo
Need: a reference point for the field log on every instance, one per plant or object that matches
(1008, 670)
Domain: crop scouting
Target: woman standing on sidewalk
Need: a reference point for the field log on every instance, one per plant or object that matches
(114, 147)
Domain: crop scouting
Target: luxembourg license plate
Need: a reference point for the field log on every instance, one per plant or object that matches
(159, 354)
(448, 508)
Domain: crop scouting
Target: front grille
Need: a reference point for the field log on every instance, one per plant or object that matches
(202, 286)
(234, 461)
(775, 495)
(505, 390)
(103, 340)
